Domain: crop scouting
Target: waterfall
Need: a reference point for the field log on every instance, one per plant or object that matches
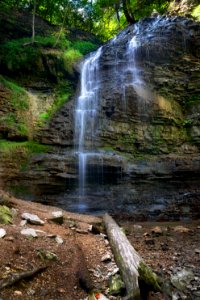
(86, 123)
(143, 93)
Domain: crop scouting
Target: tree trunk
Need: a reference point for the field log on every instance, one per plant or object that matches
(33, 22)
(129, 18)
(132, 267)
(127, 259)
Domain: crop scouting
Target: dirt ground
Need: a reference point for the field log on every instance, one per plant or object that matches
(75, 265)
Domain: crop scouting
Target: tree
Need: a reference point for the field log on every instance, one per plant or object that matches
(33, 21)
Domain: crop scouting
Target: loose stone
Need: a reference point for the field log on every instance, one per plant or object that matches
(29, 232)
(33, 219)
(2, 233)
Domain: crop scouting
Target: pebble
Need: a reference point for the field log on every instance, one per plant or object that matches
(137, 227)
(59, 240)
(10, 238)
(31, 292)
(181, 229)
(33, 219)
(197, 251)
(106, 242)
(29, 232)
(2, 233)
(149, 242)
(106, 258)
(23, 223)
(18, 293)
(157, 231)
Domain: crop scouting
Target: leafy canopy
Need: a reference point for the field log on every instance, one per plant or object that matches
(104, 18)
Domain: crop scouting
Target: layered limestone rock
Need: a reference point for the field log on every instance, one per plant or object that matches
(155, 118)
(147, 134)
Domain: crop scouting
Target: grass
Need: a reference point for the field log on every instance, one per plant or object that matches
(19, 98)
(28, 147)
(16, 120)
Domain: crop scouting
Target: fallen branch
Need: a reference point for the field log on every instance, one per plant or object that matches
(131, 265)
(15, 277)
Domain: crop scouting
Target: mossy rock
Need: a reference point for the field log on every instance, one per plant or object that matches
(5, 215)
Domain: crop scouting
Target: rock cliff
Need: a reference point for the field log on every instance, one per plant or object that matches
(148, 135)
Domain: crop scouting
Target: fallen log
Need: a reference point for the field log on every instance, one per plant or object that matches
(13, 278)
(131, 265)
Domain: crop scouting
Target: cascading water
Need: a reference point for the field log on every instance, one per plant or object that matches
(86, 123)
(135, 79)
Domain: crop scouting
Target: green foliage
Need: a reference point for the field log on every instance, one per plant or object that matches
(55, 40)
(21, 54)
(196, 12)
(28, 147)
(5, 215)
(187, 123)
(70, 57)
(16, 56)
(84, 47)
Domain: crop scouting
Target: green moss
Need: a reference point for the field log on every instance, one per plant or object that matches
(148, 277)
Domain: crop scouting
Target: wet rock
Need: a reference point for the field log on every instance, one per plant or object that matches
(2, 233)
(181, 279)
(29, 232)
(32, 219)
(116, 285)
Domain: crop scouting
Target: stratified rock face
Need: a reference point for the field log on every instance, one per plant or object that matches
(161, 114)
(147, 134)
